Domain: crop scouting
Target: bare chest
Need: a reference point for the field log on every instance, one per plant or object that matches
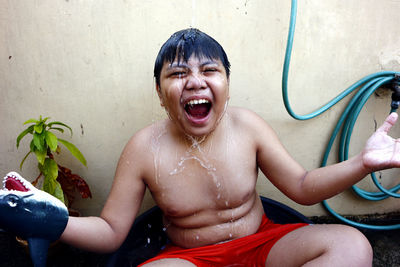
(190, 180)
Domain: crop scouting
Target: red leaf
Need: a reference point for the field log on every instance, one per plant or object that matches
(71, 182)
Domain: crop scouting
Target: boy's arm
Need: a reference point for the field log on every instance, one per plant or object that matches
(310, 187)
(107, 232)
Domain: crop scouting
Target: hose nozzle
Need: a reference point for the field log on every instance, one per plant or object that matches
(396, 92)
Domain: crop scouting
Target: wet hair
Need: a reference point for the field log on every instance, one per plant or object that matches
(182, 44)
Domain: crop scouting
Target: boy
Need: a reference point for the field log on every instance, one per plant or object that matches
(201, 167)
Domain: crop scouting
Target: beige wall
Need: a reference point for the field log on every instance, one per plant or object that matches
(89, 64)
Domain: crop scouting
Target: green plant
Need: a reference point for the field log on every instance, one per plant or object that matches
(58, 180)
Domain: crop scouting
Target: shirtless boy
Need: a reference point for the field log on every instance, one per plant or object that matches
(201, 167)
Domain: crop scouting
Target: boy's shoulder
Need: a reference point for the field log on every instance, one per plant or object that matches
(244, 117)
(142, 140)
(249, 122)
(146, 135)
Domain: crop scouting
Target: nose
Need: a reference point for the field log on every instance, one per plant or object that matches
(195, 81)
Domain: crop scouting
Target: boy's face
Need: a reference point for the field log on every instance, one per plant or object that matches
(194, 93)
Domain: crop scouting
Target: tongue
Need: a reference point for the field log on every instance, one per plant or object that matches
(198, 111)
(12, 184)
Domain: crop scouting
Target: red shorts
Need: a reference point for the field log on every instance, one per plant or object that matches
(250, 250)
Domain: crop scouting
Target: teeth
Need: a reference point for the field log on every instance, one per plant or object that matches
(198, 101)
(15, 177)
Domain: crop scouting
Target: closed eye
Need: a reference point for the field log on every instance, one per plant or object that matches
(178, 73)
(210, 70)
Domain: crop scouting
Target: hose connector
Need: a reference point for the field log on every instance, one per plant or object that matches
(396, 92)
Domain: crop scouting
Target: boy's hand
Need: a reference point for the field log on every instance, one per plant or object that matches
(382, 151)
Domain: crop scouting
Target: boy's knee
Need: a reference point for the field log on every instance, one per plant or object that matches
(355, 243)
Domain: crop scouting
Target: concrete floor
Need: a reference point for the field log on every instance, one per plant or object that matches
(386, 247)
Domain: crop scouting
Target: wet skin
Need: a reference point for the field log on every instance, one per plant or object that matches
(204, 197)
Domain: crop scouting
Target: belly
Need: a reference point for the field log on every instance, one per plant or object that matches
(212, 226)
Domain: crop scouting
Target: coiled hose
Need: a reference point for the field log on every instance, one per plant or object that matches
(366, 87)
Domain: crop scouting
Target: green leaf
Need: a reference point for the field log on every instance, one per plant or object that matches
(38, 141)
(50, 183)
(59, 123)
(53, 188)
(51, 140)
(23, 133)
(57, 128)
(74, 150)
(32, 146)
(40, 156)
(45, 119)
(23, 160)
(38, 128)
(31, 121)
(50, 169)
(58, 192)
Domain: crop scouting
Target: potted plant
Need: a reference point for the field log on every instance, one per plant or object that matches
(58, 181)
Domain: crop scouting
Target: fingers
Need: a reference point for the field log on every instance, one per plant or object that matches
(388, 123)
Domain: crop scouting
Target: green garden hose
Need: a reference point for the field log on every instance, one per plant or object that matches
(366, 87)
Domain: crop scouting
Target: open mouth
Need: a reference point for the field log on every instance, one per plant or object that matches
(198, 108)
(14, 182)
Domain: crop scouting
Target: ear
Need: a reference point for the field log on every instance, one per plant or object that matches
(158, 89)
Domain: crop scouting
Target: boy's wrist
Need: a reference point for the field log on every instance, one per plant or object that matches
(365, 169)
